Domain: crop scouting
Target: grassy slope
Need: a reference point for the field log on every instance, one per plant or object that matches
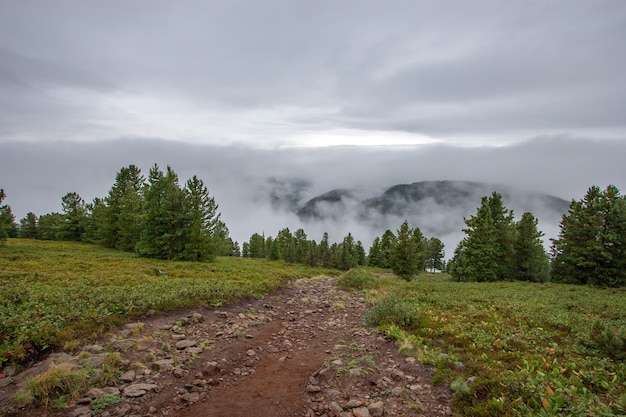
(55, 292)
(527, 345)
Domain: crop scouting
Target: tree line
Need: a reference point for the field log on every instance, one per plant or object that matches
(153, 217)
(408, 253)
(156, 217)
(590, 248)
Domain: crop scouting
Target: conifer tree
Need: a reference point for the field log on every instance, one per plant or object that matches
(121, 224)
(257, 246)
(373, 257)
(476, 257)
(434, 254)
(592, 240)
(324, 252)
(530, 261)
(348, 256)
(404, 258)
(163, 232)
(28, 226)
(200, 210)
(6, 218)
(75, 217)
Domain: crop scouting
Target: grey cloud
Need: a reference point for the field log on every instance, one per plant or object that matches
(449, 68)
(247, 182)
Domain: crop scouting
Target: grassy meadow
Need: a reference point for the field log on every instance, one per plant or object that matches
(511, 348)
(56, 293)
(504, 348)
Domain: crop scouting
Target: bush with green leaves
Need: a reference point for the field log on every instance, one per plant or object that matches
(392, 309)
(357, 279)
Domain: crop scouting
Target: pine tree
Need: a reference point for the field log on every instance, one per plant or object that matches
(503, 221)
(29, 227)
(121, 220)
(592, 240)
(50, 226)
(257, 246)
(404, 257)
(75, 217)
(373, 257)
(164, 231)
(420, 242)
(301, 247)
(324, 252)
(530, 261)
(387, 244)
(348, 255)
(245, 250)
(203, 222)
(476, 257)
(435, 254)
(6, 218)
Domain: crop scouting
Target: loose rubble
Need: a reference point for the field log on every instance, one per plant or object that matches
(302, 351)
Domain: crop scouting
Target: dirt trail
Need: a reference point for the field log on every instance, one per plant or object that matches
(302, 351)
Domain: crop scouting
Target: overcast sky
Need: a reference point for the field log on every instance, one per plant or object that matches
(86, 87)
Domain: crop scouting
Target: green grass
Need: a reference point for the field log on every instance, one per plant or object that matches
(55, 292)
(529, 349)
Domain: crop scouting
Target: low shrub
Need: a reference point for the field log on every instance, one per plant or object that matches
(394, 310)
(357, 279)
(608, 340)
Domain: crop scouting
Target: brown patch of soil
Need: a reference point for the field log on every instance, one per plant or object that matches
(301, 351)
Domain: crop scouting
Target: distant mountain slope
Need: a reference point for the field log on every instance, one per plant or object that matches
(437, 207)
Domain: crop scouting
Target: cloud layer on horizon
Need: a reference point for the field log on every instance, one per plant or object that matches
(246, 182)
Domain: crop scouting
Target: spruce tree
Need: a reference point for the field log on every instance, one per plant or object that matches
(592, 240)
(6, 218)
(324, 252)
(257, 246)
(373, 257)
(28, 226)
(530, 261)
(163, 231)
(476, 257)
(75, 217)
(200, 212)
(404, 256)
(434, 254)
(122, 222)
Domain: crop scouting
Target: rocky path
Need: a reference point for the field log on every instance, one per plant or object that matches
(302, 351)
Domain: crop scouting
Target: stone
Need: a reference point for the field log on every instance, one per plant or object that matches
(178, 372)
(355, 372)
(84, 401)
(80, 412)
(251, 352)
(211, 368)
(96, 393)
(184, 344)
(139, 390)
(376, 409)
(134, 326)
(5, 382)
(163, 365)
(94, 361)
(354, 404)
(335, 409)
(397, 391)
(129, 376)
(111, 391)
(312, 389)
(191, 398)
(361, 412)
(124, 344)
(410, 359)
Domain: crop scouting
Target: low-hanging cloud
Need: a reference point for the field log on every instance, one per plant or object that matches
(259, 190)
